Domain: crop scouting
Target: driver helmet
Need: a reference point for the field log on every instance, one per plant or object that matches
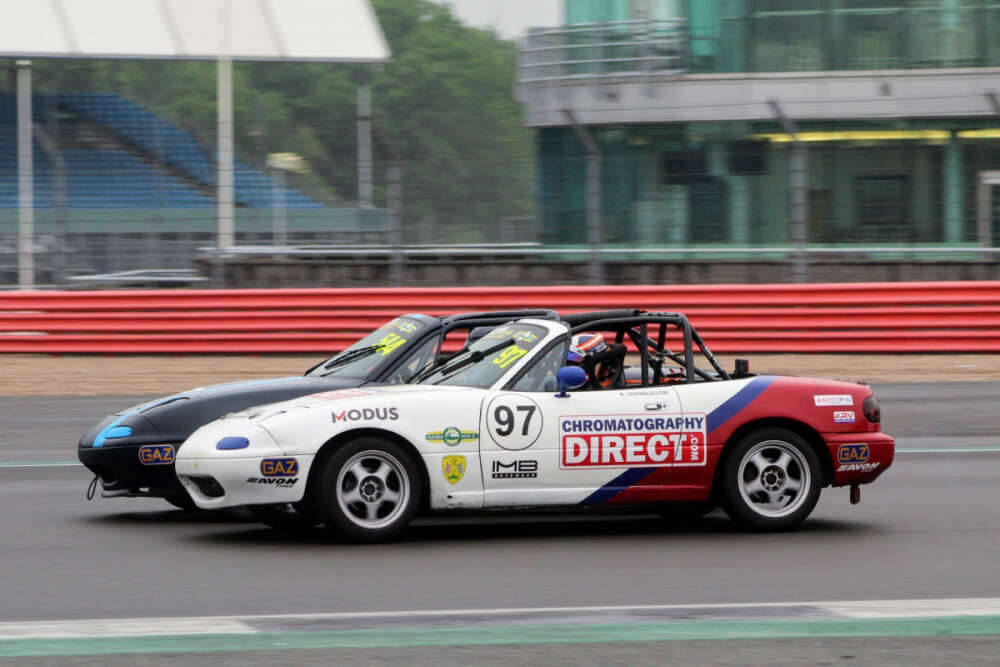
(583, 345)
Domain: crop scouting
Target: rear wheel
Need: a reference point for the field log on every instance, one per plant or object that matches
(771, 480)
(370, 490)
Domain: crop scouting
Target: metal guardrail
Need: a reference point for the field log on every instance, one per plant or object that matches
(818, 317)
(143, 277)
(616, 48)
(537, 249)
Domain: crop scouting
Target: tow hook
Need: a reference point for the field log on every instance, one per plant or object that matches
(855, 494)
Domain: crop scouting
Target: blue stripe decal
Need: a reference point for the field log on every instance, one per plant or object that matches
(714, 420)
(619, 483)
(106, 431)
(740, 400)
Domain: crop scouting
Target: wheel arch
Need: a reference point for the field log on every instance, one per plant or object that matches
(331, 445)
(811, 436)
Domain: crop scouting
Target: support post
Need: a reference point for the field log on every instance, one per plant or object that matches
(25, 180)
(365, 141)
(798, 185)
(595, 267)
(225, 175)
(279, 220)
(984, 209)
(60, 197)
(394, 187)
(394, 178)
(953, 191)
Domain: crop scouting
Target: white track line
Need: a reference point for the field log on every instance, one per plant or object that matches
(133, 627)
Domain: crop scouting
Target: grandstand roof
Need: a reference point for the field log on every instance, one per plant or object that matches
(316, 30)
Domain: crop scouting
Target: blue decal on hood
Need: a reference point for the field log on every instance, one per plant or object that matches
(232, 442)
(118, 432)
(107, 430)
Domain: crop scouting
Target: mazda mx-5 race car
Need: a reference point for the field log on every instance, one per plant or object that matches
(495, 428)
(132, 452)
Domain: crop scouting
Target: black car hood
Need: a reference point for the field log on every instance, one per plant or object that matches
(172, 419)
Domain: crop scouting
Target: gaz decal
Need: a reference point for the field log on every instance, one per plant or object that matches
(632, 441)
(453, 468)
(156, 455)
(279, 468)
(514, 422)
(852, 454)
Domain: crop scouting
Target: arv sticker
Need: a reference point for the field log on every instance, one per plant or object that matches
(843, 416)
(825, 400)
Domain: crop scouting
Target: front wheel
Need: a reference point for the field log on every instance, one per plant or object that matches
(771, 480)
(370, 490)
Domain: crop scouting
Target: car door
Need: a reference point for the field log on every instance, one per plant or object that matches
(589, 446)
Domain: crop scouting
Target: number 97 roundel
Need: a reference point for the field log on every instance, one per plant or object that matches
(514, 421)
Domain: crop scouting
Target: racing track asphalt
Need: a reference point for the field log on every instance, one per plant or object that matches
(928, 529)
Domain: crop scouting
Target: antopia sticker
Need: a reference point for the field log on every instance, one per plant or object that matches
(453, 468)
(453, 436)
(824, 400)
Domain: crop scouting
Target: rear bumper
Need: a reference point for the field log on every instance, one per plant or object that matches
(859, 458)
(122, 473)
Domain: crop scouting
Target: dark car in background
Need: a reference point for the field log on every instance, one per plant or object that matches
(132, 452)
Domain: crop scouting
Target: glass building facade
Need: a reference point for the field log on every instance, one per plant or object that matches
(906, 175)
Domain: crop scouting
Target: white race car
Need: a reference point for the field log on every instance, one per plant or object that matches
(595, 409)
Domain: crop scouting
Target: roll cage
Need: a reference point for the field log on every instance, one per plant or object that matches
(637, 325)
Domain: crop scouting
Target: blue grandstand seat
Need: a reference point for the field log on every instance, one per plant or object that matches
(109, 178)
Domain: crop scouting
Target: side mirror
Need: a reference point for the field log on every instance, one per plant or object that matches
(570, 377)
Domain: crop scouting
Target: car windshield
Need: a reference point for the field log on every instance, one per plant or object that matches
(482, 364)
(368, 354)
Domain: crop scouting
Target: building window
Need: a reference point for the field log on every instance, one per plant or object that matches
(883, 207)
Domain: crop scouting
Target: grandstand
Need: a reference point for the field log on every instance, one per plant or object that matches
(120, 188)
(119, 154)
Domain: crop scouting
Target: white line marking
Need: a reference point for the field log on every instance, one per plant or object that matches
(126, 627)
(40, 464)
(132, 627)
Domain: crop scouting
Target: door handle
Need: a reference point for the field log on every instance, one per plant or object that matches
(656, 406)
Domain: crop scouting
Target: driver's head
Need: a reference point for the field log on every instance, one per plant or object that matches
(585, 345)
(603, 362)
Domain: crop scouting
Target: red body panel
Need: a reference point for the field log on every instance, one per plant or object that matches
(857, 450)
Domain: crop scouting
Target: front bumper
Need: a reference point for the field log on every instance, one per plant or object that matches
(122, 473)
(859, 458)
(217, 483)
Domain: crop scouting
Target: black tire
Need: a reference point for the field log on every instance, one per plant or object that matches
(286, 517)
(369, 490)
(771, 480)
(181, 500)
